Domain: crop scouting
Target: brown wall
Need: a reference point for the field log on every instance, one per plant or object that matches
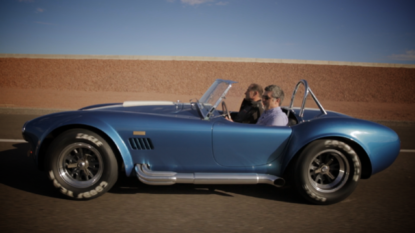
(328, 82)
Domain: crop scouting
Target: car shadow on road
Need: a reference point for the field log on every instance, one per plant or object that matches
(19, 171)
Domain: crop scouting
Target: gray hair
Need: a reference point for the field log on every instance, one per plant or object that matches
(277, 92)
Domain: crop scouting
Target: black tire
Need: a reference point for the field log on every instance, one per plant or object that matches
(81, 164)
(326, 172)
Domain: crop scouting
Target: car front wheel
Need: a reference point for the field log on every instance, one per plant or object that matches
(327, 171)
(81, 164)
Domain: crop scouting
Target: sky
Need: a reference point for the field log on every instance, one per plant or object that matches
(376, 31)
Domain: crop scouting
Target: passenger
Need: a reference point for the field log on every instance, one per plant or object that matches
(251, 107)
(273, 115)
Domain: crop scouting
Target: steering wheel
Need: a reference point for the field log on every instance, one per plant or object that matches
(225, 110)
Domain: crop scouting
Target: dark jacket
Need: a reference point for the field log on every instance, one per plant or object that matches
(249, 112)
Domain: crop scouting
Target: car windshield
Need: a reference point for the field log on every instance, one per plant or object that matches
(213, 96)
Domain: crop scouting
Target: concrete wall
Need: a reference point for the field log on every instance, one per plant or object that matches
(191, 76)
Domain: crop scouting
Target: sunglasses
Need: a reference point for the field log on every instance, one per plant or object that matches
(265, 97)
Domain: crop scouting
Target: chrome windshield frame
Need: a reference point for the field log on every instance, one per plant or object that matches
(210, 100)
(306, 92)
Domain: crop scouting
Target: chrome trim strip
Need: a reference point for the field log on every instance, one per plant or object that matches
(407, 151)
(152, 178)
(13, 140)
(102, 107)
(146, 103)
(267, 179)
(154, 182)
(149, 177)
(226, 178)
(149, 172)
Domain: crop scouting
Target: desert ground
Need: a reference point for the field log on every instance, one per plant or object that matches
(373, 93)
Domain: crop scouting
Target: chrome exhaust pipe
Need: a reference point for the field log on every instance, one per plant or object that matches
(149, 177)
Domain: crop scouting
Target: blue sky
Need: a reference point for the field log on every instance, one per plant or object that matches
(380, 31)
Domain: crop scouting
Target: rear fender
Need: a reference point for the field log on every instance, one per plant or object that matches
(380, 143)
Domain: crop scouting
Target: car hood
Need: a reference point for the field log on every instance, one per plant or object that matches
(168, 108)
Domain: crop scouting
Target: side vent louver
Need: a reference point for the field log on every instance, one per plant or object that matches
(141, 144)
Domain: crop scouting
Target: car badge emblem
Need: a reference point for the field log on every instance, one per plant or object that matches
(139, 133)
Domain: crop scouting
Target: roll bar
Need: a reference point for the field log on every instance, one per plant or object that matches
(306, 92)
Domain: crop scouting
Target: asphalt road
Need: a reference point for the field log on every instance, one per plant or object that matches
(29, 203)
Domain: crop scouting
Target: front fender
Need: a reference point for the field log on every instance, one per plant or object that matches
(380, 143)
(41, 127)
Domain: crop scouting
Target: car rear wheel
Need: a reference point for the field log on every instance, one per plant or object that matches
(81, 164)
(327, 171)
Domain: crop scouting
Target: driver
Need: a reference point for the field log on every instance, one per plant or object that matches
(251, 107)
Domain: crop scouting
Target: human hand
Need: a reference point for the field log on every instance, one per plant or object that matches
(229, 119)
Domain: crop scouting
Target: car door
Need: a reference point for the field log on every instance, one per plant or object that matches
(168, 143)
(237, 144)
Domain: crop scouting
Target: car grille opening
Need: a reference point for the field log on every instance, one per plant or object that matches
(141, 144)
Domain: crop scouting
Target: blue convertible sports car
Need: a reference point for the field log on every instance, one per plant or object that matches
(322, 154)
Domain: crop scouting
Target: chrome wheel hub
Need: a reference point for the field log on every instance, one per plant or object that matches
(325, 169)
(83, 164)
(80, 165)
(329, 171)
